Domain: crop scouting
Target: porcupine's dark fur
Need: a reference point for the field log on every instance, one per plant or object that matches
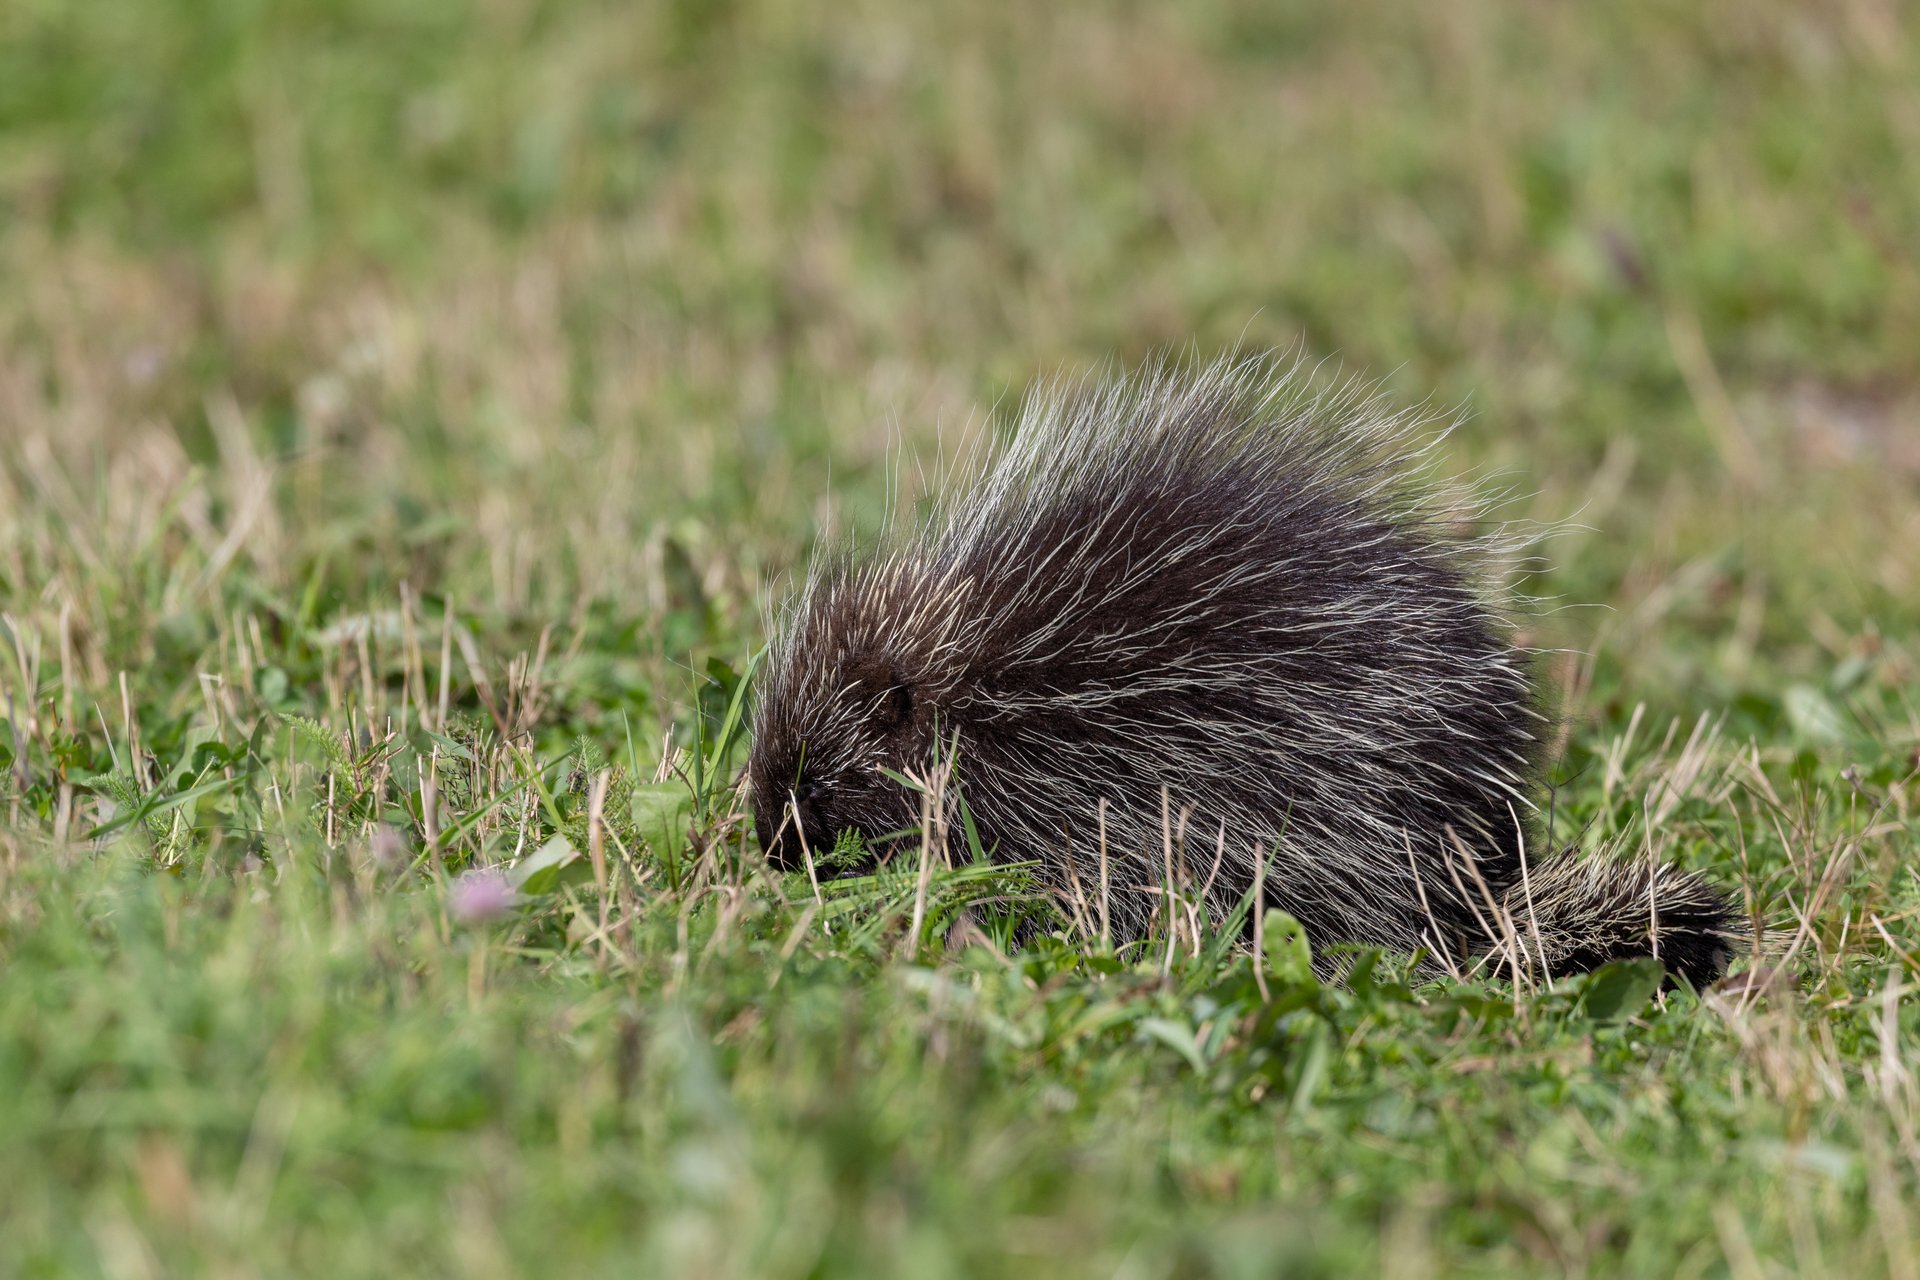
(1223, 583)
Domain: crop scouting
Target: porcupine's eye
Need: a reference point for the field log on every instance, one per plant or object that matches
(898, 708)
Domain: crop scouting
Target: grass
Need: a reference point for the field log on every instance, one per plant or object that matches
(407, 413)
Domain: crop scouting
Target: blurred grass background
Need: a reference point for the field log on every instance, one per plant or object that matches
(566, 328)
(737, 254)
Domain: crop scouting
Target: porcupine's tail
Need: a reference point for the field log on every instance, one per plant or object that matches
(1572, 913)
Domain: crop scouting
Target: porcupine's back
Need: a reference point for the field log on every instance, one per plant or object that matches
(1216, 595)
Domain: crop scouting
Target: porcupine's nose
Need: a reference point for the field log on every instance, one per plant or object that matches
(766, 825)
(777, 825)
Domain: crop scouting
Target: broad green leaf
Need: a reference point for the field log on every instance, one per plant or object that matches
(1289, 957)
(539, 872)
(1813, 715)
(1620, 990)
(1178, 1037)
(661, 812)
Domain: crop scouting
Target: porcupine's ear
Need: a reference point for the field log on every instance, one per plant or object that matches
(878, 682)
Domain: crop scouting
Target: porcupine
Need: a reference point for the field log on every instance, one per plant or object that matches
(1230, 597)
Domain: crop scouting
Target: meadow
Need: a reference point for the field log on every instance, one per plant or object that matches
(411, 413)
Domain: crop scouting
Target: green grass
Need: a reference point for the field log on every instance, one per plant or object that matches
(409, 411)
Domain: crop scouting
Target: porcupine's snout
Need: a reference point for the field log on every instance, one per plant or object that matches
(781, 820)
(808, 815)
(835, 724)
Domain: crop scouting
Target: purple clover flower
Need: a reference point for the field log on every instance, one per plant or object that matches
(480, 896)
